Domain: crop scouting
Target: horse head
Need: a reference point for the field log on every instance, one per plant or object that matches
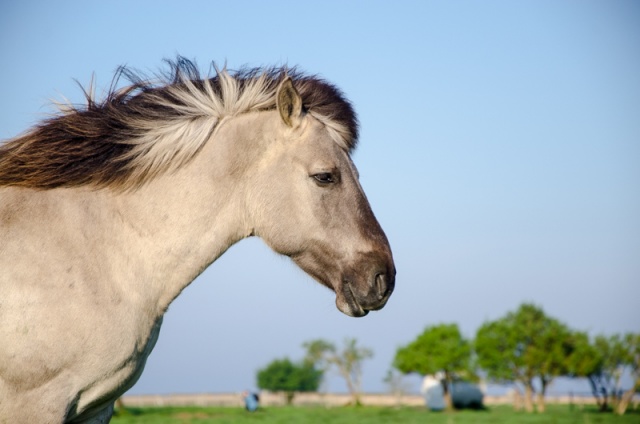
(308, 204)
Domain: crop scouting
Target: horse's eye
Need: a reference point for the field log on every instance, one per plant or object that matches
(324, 178)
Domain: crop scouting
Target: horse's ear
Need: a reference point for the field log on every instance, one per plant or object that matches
(289, 103)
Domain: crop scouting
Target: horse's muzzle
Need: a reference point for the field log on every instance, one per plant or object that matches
(357, 297)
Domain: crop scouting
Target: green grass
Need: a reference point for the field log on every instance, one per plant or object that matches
(556, 414)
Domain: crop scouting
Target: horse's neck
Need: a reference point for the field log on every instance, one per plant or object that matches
(170, 240)
(144, 245)
(179, 223)
(177, 226)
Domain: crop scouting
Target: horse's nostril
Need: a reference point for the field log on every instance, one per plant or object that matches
(381, 285)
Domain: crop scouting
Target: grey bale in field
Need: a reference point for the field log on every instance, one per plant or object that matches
(463, 394)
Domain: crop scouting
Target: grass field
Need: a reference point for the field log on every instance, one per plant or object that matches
(556, 414)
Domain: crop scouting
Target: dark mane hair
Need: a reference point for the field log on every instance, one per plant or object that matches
(130, 136)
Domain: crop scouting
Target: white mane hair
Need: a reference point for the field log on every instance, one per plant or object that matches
(156, 125)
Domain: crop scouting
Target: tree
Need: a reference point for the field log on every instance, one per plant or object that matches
(631, 360)
(549, 355)
(396, 384)
(324, 355)
(603, 363)
(440, 348)
(605, 379)
(282, 375)
(522, 346)
(587, 361)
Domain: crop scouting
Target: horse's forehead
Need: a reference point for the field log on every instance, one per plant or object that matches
(320, 144)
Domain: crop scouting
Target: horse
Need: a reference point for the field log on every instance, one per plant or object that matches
(109, 209)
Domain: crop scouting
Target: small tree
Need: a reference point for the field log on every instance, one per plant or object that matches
(398, 387)
(588, 362)
(603, 363)
(549, 357)
(605, 377)
(282, 375)
(522, 346)
(324, 355)
(631, 360)
(440, 348)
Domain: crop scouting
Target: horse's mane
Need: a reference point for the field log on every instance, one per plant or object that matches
(154, 126)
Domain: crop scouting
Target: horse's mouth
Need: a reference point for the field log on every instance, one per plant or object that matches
(347, 303)
(355, 296)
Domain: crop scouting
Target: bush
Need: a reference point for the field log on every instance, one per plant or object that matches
(282, 375)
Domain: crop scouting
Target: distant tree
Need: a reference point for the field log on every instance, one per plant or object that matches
(606, 378)
(603, 363)
(631, 360)
(317, 351)
(549, 358)
(282, 375)
(587, 361)
(348, 362)
(439, 348)
(396, 384)
(522, 346)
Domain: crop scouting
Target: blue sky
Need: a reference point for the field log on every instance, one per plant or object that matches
(500, 150)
